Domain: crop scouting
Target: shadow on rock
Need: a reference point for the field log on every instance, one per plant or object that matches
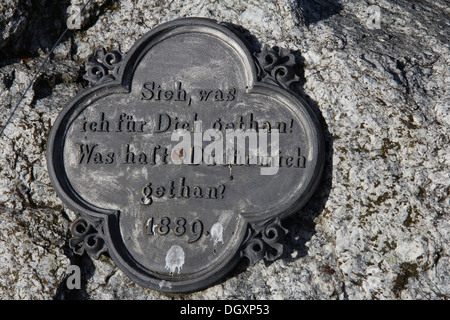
(312, 11)
(87, 270)
(301, 225)
(32, 27)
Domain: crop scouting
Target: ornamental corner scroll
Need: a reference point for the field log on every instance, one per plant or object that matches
(185, 154)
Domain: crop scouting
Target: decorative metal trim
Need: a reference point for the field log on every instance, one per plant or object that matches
(103, 66)
(276, 66)
(264, 241)
(87, 238)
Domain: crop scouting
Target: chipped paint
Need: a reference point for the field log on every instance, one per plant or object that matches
(174, 259)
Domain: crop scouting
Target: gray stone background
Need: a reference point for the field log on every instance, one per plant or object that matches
(378, 225)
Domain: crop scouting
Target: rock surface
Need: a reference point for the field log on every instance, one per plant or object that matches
(376, 74)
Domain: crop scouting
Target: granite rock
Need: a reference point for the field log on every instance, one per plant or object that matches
(376, 74)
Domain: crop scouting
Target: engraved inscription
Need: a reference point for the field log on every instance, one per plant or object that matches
(200, 151)
(152, 91)
(179, 227)
(180, 190)
(163, 122)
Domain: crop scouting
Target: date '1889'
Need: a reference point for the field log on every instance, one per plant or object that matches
(179, 226)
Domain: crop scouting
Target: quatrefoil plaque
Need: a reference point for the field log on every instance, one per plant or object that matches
(185, 154)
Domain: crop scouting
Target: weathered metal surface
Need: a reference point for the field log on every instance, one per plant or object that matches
(171, 218)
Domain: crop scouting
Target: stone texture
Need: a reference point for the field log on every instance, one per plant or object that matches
(378, 226)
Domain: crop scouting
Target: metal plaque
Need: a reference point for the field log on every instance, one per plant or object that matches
(185, 154)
